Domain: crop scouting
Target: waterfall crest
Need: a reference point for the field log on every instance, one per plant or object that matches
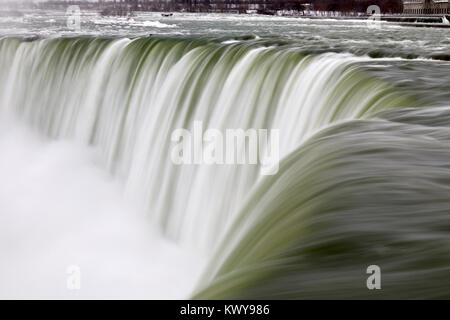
(357, 194)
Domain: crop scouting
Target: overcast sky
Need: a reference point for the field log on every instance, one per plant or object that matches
(9, 1)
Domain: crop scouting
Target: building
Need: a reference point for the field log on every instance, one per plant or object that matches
(426, 6)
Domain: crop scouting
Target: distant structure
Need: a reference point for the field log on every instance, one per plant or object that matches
(426, 6)
(270, 7)
(127, 7)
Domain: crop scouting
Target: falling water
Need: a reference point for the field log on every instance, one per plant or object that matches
(127, 96)
(354, 168)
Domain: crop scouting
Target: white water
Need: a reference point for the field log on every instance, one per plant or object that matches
(125, 98)
(59, 208)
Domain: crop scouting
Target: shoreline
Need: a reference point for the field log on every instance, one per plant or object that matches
(420, 21)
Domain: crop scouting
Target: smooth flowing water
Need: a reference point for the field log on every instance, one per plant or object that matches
(87, 117)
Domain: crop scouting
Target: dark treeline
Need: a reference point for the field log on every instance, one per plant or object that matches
(123, 7)
(386, 6)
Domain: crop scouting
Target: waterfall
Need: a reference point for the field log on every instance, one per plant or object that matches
(127, 96)
(356, 158)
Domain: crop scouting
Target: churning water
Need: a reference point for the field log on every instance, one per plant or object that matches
(364, 174)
